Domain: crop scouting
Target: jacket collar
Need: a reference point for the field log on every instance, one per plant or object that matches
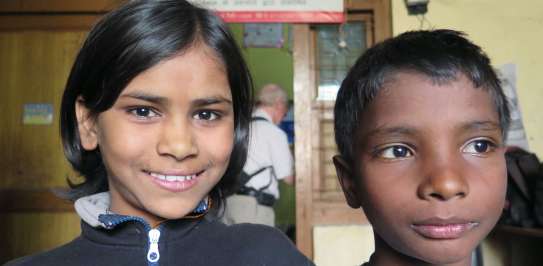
(103, 226)
(90, 208)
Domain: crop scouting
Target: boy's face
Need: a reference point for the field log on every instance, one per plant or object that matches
(430, 169)
(167, 140)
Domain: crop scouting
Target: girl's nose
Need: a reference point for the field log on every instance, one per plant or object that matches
(444, 181)
(177, 141)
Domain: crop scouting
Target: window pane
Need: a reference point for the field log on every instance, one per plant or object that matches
(338, 47)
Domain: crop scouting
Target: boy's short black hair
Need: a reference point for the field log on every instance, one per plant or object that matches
(439, 54)
(130, 40)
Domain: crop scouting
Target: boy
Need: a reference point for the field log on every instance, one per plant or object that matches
(420, 122)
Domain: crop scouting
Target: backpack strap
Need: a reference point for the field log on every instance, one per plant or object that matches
(245, 177)
(258, 118)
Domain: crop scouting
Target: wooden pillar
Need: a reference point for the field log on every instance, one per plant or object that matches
(303, 86)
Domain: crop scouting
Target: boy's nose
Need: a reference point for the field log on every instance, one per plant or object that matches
(444, 182)
(177, 141)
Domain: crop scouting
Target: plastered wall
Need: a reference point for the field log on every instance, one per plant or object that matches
(509, 32)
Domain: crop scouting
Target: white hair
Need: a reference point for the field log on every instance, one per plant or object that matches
(271, 93)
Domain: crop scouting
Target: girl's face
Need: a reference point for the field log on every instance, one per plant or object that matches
(431, 170)
(167, 140)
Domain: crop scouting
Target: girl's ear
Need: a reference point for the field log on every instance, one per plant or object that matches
(86, 126)
(346, 180)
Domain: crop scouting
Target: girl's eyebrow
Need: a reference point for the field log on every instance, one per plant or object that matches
(146, 97)
(211, 100)
(163, 100)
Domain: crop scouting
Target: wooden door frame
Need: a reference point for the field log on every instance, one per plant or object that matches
(58, 15)
(306, 126)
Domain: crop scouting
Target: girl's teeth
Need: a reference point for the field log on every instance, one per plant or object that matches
(172, 178)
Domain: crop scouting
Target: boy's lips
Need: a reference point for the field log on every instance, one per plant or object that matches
(174, 181)
(437, 228)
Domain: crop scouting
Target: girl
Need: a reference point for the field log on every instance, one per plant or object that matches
(155, 116)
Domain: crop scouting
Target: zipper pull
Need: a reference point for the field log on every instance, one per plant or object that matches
(153, 255)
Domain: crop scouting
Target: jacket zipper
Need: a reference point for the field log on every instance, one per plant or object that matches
(112, 220)
(153, 255)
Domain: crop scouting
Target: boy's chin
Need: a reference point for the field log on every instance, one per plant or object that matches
(447, 255)
(434, 253)
(448, 259)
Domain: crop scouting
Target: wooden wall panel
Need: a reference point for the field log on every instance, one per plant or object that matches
(34, 232)
(37, 200)
(47, 22)
(55, 15)
(42, 6)
(33, 69)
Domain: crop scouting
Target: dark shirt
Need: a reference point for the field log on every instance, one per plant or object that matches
(182, 242)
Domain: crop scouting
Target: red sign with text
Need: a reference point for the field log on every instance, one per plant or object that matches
(272, 11)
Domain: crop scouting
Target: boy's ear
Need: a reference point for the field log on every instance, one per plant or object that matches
(86, 126)
(346, 180)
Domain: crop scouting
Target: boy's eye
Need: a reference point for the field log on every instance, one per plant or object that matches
(396, 152)
(479, 146)
(206, 115)
(143, 112)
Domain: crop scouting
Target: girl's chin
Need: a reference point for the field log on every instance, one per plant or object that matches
(171, 213)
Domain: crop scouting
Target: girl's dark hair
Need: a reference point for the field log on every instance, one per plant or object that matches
(439, 54)
(130, 40)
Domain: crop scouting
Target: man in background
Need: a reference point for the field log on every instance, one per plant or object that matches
(269, 160)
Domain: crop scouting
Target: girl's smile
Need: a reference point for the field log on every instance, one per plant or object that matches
(174, 181)
(167, 140)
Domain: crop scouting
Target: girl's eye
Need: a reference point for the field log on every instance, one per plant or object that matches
(143, 112)
(479, 146)
(396, 152)
(206, 115)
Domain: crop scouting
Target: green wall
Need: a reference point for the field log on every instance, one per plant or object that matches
(272, 65)
(267, 65)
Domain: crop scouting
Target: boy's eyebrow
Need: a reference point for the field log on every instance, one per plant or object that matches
(487, 125)
(398, 130)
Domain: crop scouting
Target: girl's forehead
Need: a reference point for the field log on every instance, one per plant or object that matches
(195, 73)
(205, 52)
